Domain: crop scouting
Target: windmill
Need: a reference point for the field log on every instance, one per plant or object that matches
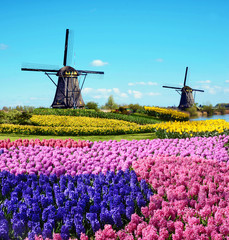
(68, 91)
(187, 99)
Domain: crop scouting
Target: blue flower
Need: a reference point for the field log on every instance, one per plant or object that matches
(47, 231)
(94, 208)
(79, 229)
(140, 201)
(65, 232)
(4, 229)
(95, 225)
(19, 227)
(117, 218)
(129, 211)
(106, 217)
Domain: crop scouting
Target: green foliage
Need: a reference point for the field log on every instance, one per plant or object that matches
(111, 103)
(192, 111)
(2, 116)
(19, 108)
(221, 108)
(136, 107)
(17, 117)
(91, 113)
(92, 105)
(209, 109)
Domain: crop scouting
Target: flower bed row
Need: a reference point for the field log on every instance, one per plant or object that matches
(93, 114)
(44, 142)
(73, 126)
(167, 114)
(106, 156)
(190, 129)
(119, 128)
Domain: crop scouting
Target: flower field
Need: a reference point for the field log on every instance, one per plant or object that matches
(72, 126)
(167, 114)
(79, 126)
(147, 189)
(190, 129)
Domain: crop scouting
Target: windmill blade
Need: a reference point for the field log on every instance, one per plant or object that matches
(68, 47)
(39, 67)
(197, 90)
(172, 87)
(89, 72)
(185, 77)
(39, 70)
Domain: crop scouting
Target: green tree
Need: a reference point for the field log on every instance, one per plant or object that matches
(136, 107)
(92, 105)
(111, 103)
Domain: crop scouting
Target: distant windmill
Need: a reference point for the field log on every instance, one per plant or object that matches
(68, 91)
(187, 99)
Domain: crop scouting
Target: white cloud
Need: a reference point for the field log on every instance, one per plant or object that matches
(104, 92)
(226, 90)
(153, 83)
(159, 60)
(119, 93)
(87, 90)
(97, 97)
(153, 94)
(3, 46)
(227, 81)
(136, 94)
(98, 63)
(143, 83)
(206, 81)
(212, 89)
(116, 90)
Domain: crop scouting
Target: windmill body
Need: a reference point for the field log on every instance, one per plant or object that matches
(68, 89)
(68, 92)
(186, 100)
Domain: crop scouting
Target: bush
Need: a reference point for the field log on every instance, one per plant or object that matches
(136, 107)
(92, 105)
(209, 109)
(2, 116)
(17, 117)
(220, 108)
(192, 111)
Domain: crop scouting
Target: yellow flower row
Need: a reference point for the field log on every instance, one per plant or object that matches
(193, 128)
(73, 121)
(69, 125)
(72, 125)
(164, 112)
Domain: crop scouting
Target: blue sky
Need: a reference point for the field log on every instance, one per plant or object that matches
(140, 45)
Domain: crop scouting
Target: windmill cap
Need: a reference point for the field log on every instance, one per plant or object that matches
(67, 71)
